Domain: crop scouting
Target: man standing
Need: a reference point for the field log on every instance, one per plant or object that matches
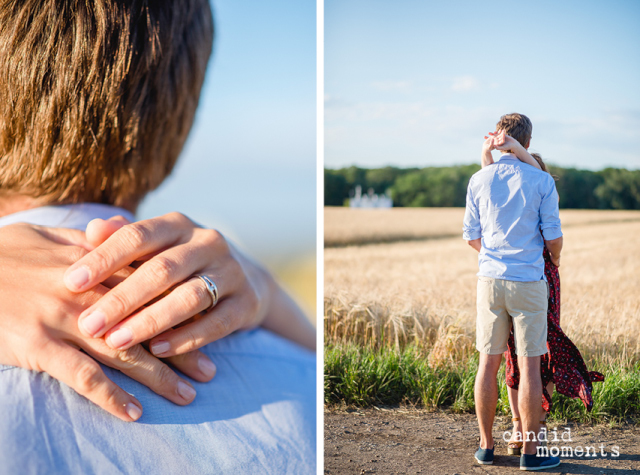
(511, 214)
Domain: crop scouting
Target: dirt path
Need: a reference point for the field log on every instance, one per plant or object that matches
(410, 441)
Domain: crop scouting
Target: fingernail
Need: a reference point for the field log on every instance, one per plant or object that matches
(207, 367)
(160, 347)
(119, 338)
(77, 278)
(186, 391)
(93, 323)
(133, 411)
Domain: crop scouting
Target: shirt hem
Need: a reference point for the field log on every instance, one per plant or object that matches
(510, 278)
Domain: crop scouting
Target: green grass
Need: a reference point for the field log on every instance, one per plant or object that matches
(363, 377)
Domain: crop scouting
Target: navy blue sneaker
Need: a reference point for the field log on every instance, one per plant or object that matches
(533, 462)
(485, 456)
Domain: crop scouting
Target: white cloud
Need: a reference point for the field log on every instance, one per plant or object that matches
(401, 86)
(465, 84)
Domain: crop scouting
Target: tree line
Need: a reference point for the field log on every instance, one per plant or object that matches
(611, 188)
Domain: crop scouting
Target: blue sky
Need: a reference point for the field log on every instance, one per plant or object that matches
(418, 83)
(249, 166)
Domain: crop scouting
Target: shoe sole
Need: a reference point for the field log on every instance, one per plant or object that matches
(483, 463)
(529, 469)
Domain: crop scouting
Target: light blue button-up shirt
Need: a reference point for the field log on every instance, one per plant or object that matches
(508, 204)
(256, 416)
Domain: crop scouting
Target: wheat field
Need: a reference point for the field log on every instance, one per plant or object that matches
(421, 289)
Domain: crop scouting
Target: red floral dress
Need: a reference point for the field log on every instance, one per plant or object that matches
(563, 364)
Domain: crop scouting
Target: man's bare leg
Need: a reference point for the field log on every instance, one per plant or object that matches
(530, 400)
(486, 396)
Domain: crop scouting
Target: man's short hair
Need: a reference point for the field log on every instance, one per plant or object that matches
(97, 97)
(517, 126)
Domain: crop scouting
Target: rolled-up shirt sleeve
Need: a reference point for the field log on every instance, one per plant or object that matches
(471, 228)
(550, 212)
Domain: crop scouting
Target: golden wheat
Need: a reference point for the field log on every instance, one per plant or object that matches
(298, 277)
(423, 292)
(347, 226)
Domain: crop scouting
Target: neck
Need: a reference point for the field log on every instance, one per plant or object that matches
(12, 203)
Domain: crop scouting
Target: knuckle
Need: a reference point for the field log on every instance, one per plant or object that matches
(75, 253)
(135, 234)
(39, 348)
(222, 325)
(162, 269)
(118, 303)
(127, 359)
(252, 302)
(192, 340)
(165, 378)
(100, 260)
(113, 396)
(235, 269)
(88, 377)
(178, 217)
(216, 240)
(193, 297)
(149, 325)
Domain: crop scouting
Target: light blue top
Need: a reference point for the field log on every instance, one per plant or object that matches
(508, 204)
(256, 416)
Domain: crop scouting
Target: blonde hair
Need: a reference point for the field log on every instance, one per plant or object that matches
(97, 97)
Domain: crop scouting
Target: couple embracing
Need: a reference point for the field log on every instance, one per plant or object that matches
(512, 220)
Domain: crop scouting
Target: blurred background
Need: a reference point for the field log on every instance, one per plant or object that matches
(249, 166)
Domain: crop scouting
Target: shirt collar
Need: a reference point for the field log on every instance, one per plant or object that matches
(75, 216)
(508, 156)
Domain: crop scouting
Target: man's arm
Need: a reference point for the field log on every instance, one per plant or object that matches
(555, 247)
(471, 228)
(550, 221)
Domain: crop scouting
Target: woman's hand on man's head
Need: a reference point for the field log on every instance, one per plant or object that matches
(39, 330)
(162, 300)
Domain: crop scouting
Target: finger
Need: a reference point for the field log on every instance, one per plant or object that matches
(82, 374)
(194, 364)
(99, 230)
(149, 281)
(223, 320)
(185, 301)
(138, 364)
(124, 246)
(118, 277)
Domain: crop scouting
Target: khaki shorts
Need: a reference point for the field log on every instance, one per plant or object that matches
(502, 303)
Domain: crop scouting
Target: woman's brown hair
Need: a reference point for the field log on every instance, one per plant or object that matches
(538, 158)
(97, 97)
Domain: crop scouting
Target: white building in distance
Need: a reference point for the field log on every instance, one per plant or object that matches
(370, 200)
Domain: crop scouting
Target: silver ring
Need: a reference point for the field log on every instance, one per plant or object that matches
(211, 288)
